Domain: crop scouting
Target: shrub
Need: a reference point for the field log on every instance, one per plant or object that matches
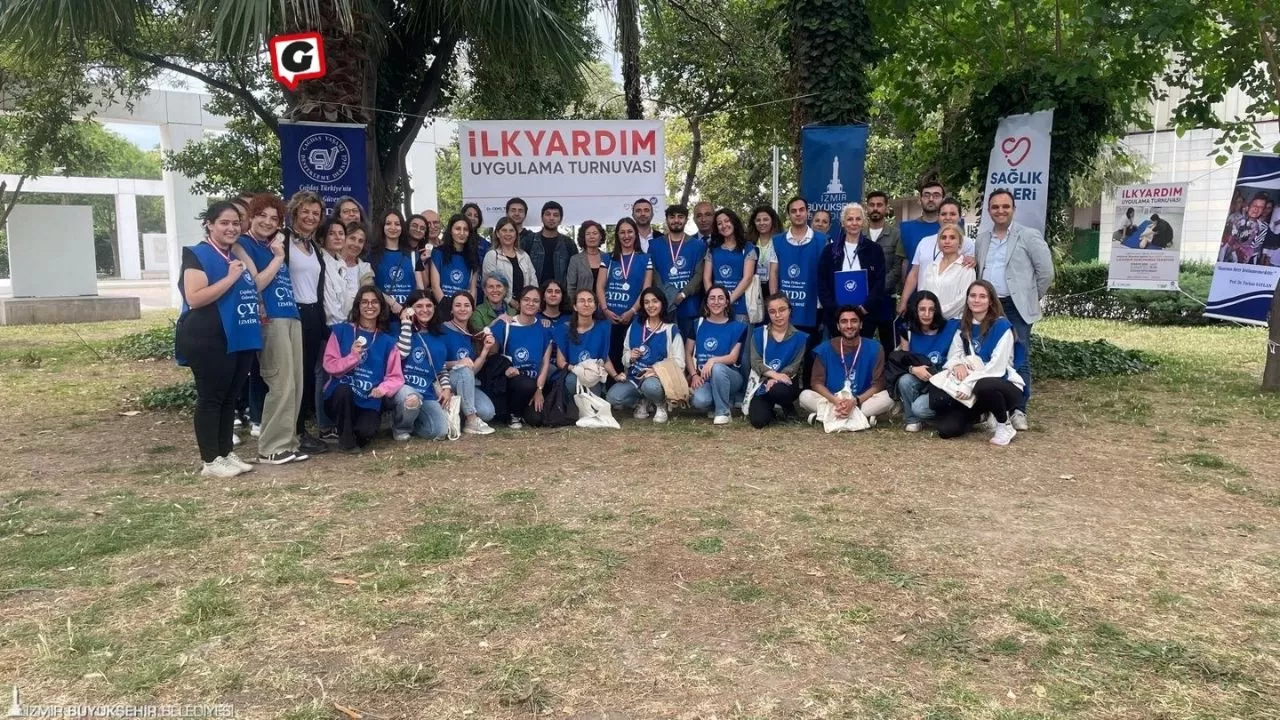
(1075, 294)
(179, 396)
(153, 344)
(1067, 360)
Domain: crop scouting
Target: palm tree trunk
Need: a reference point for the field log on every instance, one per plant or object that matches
(629, 44)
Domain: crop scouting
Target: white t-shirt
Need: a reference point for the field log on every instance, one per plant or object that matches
(304, 271)
(927, 250)
(874, 233)
(851, 261)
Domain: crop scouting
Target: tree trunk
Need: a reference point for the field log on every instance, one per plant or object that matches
(695, 157)
(629, 44)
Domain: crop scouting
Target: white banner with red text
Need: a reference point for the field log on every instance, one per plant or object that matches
(595, 169)
(1019, 163)
(1147, 241)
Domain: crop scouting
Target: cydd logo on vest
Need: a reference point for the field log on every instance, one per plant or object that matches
(324, 158)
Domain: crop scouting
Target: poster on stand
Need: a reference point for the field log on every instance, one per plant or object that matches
(1248, 267)
(1147, 243)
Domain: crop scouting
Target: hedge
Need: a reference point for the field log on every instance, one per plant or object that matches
(1075, 294)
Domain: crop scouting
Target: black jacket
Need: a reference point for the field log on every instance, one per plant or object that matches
(871, 257)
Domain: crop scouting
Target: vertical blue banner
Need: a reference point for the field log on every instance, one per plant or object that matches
(1248, 269)
(326, 158)
(833, 158)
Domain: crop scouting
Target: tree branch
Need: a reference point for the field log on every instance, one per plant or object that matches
(423, 102)
(1266, 34)
(691, 17)
(13, 198)
(241, 93)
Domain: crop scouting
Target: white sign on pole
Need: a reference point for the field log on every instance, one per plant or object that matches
(1147, 241)
(596, 169)
(1020, 164)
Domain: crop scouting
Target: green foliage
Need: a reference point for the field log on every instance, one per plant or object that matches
(179, 396)
(245, 157)
(730, 174)
(153, 344)
(448, 179)
(1067, 360)
(1075, 293)
(831, 50)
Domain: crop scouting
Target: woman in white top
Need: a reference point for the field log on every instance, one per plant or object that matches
(507, 259)
(947, 277)
(358, 272)
(981, 363)
(649, 341)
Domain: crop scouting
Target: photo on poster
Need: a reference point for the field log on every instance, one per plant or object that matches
(1146, 246)
(1248, 267)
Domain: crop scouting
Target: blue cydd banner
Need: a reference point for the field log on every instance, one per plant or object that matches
(326, 158)
(833, 158)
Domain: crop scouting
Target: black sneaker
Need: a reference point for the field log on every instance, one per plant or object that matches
(281, 458)
(329, 435)
(310, 445)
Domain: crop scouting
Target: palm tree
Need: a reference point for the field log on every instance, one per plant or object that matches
(390, 62)
(628, 13)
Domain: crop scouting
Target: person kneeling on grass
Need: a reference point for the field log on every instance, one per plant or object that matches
(420, 402)
(470, 346)
(364, 370)
(850, 362)
(582, 349)
(777, 355)
(982, 359)
(526, 345)
(928, 341)
(649, 341)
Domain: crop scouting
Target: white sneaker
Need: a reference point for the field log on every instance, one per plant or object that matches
(219, 468)
(1019, 420)
(1004, 434)
(642, 410)
(255, 430)
(236, 422)
(912, 427)
(236, 461)
(476, 426)
(722, 420)
(988, 423)
(516, 423)
(660, 415)
(401, 436)
(235, 439)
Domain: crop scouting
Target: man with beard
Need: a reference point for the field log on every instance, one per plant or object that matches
(886, 236)
(642, 213)
(913, 231)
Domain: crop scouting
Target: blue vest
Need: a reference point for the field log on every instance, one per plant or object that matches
(935, 346)
(277, 297)
(459, 343)
(238, 306)
(524, 345)
(912, 232)
(857, 371)
(455, 276)
(591, 345)
(728, 267)
(394, 274)
(427, 355)
(715, 339)
(556, 322)
(798, 275)
(778, 355)
(679, 270)
(620, 292)
(655, 349)
(366, 376)
(984, 345)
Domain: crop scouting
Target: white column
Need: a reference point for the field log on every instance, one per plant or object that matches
(181, 206)
(127, 236)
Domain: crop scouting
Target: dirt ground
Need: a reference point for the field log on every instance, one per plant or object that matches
(1120, 560)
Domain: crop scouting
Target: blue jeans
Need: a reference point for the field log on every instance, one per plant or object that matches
(474, 401)
(627, 395)
(915, 399)
(428, 420)
(718, 392)
(1022, 354)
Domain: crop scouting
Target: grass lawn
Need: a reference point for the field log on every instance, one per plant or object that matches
(1120, 560)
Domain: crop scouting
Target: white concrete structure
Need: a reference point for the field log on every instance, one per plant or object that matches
(420, 164)
(1189, 158)
(51, 251)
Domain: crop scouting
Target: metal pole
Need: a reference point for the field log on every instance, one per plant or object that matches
(775, 176)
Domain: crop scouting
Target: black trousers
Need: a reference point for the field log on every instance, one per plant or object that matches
(990, 395)
(356, 425)
(315, 333)
(617, 338)
(219, 376)
(760, 412)
(815, 339)
(520, 391)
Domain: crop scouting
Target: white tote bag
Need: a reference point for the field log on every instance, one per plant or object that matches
(454, 413)
(830, 423)
(593, 412)
(754, 381)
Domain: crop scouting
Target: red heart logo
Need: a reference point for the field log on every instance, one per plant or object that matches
(1010, 147)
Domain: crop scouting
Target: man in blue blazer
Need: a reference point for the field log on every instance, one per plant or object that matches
(1016, 260)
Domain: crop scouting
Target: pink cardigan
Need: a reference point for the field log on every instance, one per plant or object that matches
(335, 364)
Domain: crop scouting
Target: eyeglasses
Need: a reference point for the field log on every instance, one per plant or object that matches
(370, 303)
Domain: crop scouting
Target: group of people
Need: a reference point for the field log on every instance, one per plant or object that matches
(346, 318)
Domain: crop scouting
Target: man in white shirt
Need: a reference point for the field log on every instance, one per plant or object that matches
(642, 213)
(927, 251)
(704, 214)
